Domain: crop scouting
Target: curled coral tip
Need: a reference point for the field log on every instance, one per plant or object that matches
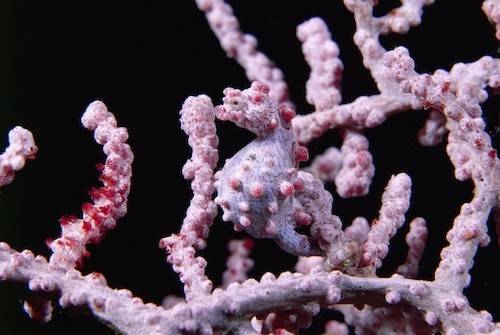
(95, 113)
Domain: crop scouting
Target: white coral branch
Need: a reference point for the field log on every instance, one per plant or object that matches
(21, 147)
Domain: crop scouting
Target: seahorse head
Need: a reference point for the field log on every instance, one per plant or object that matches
(253, 109)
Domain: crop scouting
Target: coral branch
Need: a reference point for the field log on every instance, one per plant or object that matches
(458, 94)
(263, 193)
(38, 309)
(400, 19)
(492, 10)
(335, 328)
(307, 264)
(327, 165)
(368, 29)
(468, 232)
(355, 176)
(197, 121)
(383, 320)
(21, 147)
(115, 307)
(131, 316)
(321, 53)
(238, 264)
(366, 39)
(395, 203)
(109, 201)
(433, 130)
(358, 230)
(243, 48)
(415, 239)
(497, 224)
(364, 112)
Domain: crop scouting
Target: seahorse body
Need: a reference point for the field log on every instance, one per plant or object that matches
(256, 187)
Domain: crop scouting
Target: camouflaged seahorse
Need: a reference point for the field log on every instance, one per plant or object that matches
(258, 187)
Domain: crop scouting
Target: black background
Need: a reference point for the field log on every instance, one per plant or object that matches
(143, 58)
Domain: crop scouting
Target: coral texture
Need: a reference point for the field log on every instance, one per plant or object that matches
(264, 192)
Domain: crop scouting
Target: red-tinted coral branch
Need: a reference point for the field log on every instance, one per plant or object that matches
(366, 39)
(21, 147)
(109, 201)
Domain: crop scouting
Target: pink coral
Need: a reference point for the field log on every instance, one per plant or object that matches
(197, 121)
(263, 190)
(239, 263)
(243, 47)
(492, 10)
(109, 201)
(21, 147)
(326, 68)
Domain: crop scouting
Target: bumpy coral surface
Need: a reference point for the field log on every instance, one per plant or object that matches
(266, 194)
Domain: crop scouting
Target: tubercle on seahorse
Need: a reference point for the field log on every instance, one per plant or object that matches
(260, 188)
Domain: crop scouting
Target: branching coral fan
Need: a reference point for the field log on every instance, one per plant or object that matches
(265, 192)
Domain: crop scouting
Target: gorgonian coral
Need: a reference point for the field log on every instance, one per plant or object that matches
(264, 192)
